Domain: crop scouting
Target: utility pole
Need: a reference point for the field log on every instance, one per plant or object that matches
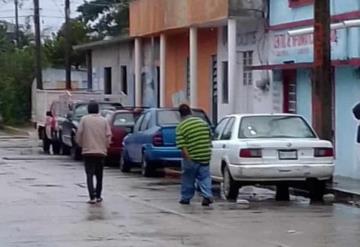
(17, 38)
(39, 83)
(322, 84)
(67, 44)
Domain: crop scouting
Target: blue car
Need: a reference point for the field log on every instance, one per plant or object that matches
(153, 142)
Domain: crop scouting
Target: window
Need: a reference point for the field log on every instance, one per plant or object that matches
(124, 119)
(172, 117)
(226, 135)
(107, 80)
(247, 72)
(145, 122)
(138, 123)
(299, 3)
(225, 83)
(124, 79)
(219, 129)
(275, 127)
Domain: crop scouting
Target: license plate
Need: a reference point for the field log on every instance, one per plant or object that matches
(288, 155)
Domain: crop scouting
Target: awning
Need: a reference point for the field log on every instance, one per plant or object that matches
(355, 62)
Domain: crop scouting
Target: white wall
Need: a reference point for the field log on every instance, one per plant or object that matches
(251, 99)
(114, 56)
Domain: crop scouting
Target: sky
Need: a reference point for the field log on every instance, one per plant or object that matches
(51, 13)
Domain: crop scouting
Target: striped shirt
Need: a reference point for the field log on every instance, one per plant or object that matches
(194, 134)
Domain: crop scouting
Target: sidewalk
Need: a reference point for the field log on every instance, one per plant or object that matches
(18, 132)
(346, 189)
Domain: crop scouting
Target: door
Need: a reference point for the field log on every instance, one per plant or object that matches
(142, 137)
(107, 80)
(215, 163)
(289, 80)
(224, 142)
(130, 139)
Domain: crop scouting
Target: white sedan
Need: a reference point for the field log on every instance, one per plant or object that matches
(276, 149)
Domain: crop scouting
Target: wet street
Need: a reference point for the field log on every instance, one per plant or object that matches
(43, 203)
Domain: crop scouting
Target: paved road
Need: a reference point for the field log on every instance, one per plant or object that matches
(43, 204)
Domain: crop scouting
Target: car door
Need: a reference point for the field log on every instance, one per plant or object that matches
(130, 139)
(141, 137)
(224, 141)
(215, 163)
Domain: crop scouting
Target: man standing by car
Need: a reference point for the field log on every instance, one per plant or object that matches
(193, 137)
(94, 136)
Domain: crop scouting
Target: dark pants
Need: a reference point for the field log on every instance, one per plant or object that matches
(94, 166)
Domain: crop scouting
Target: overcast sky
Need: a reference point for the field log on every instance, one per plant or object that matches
(52, 12)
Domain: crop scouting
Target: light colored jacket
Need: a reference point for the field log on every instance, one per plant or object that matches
(93, 135)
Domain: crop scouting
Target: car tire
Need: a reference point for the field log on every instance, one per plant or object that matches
(56, 147)
(147, 169)
(316, 190)
(124, 164)
(282, 192)
(230, 187)
(65, 150)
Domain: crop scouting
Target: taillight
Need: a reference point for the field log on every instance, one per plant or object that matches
(250, 153)
(323, 152)
(158, 139)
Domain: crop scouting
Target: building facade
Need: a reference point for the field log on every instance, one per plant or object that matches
(290, 59)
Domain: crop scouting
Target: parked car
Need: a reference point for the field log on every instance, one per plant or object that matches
(278, 149)
(153, 142)
(122, 123)
(70, 124)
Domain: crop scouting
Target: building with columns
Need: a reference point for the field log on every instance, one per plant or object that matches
(198, 52)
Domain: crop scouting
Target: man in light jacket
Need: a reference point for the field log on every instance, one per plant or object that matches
(94, 137)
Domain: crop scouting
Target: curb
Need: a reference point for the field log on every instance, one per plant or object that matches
(16, 131)
(345, 196)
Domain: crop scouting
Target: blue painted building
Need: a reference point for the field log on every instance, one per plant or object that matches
(290, 59)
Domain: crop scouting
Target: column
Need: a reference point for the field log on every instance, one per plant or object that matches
(138, 88)
(162, 69)
(232, 63)
(193, 67)
(89, 70)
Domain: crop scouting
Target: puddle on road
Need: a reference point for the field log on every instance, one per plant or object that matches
(47, 185)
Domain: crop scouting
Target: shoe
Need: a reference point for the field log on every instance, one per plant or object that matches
(92, 201)
(207, 201)
(98, 200)
(184, 202)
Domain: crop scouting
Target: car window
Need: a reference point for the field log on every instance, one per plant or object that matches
(219, 129)
(226, 135)
(146, 121)
(124, 119)
(82, 109)
(172, 117)
(275, 127)
(138, 123)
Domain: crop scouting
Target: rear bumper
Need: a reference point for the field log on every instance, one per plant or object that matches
(166, 155)
(276, 172)
(114, 152)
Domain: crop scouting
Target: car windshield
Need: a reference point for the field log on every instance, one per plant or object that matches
(172, 117)
(82, 110)
(275, 127)
(124, 119)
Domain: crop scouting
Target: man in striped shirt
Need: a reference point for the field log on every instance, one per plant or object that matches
(193, 137)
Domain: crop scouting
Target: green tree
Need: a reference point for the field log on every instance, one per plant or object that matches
(54, 48)
(105, 17)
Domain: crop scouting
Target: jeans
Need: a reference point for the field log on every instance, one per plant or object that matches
(94, 166)
(195, 172)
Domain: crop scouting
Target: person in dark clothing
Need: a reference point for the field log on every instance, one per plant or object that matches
(94, 136)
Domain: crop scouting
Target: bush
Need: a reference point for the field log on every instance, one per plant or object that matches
(16, 76)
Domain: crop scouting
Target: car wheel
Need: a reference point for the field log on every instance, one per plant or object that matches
(229, 186)
(146, 167)
(65, 150)
(316, 189)
(282, 192)
(56, 147)
(124, 164)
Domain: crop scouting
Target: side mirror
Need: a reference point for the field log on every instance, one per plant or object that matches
(358, 135)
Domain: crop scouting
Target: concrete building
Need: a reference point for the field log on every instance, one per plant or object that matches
(290, 60)
(201, 51)
(110, 66)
